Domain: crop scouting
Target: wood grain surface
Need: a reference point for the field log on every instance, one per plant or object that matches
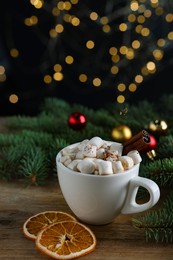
(118, 240)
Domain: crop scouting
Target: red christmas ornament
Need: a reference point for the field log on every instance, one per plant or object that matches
(152, 145)
(77, 121)
(153, 142)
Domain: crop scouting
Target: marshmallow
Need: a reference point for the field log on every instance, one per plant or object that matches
(86, 165)
(113, 155)
(64, 158)
(111, 159)
(135, 156)
(89, 150)
(127, 162)
(116, 147)
(106, 145)
(79, 155)
(73, 165)
(105, 168)
(96, 141)
(66, 163)
(100, 154)
(82, 144)
(96, 172)
(69, 151)
(97, 161)
(117, 167)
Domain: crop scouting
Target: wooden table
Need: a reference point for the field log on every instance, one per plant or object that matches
(118, 240)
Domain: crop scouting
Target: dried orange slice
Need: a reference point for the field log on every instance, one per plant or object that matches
(66, 240)
(34, 224)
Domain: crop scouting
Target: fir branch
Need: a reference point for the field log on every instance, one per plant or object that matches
(165, 146)
(166, 102)
(21, 122)
(10, 160)
(143, 113)
(52, 124)
(55, 107)
(168, 203)
(26, 137)
(34, 166)
(60, 143)
(84, 110)
(103, 118)
(157, 224)
(9, 139)
(162, 234)
(42, 139)
(43, 123)
(161, 171)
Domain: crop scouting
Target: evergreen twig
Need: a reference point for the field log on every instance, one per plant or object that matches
(158, 224)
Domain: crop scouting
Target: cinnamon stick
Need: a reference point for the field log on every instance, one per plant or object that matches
(138, 142)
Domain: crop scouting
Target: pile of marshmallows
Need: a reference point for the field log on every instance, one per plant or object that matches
(99, 157)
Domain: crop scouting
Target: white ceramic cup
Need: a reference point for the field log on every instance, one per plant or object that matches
(98, 200)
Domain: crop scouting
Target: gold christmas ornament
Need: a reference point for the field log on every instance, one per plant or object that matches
(121, 133)
(158, 126)
(151, 154)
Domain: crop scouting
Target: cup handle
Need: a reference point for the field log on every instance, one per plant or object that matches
(130, 205)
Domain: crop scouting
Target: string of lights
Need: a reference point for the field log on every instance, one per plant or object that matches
(86, 46)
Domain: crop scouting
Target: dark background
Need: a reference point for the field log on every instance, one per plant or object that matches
(24, 75)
